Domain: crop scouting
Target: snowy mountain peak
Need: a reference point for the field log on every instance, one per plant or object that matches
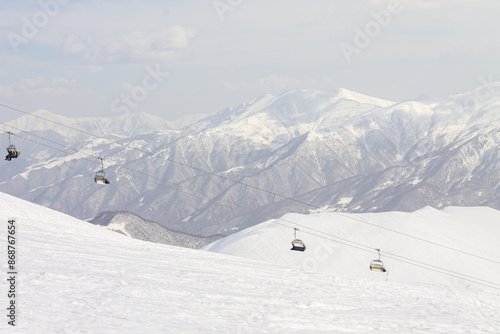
(293, 152)
(273, 120)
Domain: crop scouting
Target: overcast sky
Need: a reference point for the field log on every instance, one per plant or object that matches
(172, 58)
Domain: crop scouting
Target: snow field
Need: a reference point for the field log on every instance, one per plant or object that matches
(75, 277)
(336, 244)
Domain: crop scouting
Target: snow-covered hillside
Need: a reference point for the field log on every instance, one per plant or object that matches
(76, 277)
(294, 152)
(135, 227)
(426, 246)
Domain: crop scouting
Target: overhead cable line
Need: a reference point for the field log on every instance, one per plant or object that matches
(316, 233)
(395, 257)
(256, 187)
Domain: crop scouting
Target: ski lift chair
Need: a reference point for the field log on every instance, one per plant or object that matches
(297, 244)
(377, 265)
(100, 175)
(13, 153)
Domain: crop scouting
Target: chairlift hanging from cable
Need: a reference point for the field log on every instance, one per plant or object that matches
(13, 153)
(377, 265)
(100, 175)
(297, 244)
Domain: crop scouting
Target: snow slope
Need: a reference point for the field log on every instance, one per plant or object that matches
(76, 277)
(448, 243)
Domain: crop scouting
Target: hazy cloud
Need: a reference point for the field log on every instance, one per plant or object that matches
(138, 46)
(433, 47)
(39, 85)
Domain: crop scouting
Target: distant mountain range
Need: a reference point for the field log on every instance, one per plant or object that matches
(301, 151)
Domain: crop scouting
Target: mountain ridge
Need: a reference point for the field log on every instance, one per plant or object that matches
(252, 162)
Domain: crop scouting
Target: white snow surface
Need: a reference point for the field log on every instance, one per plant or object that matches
(74, 277)
(453, 244)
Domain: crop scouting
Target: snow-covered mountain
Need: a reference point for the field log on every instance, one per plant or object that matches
(301, 151)
(123, 125)
(104, 282)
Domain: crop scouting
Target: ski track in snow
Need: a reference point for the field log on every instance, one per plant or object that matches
(75, 277)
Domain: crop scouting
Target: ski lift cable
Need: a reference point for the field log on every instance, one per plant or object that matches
(167, 159)
(51, 141)
(386, 254)
(231, 205)
(256, 187)
(453, 275)
(255, 213)
(151, 154)
(115, 166)
(397, 257)
(55, 148)
(151, 178)
(418, 238)
(147, 177)
(343, 241)
(406, 260)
